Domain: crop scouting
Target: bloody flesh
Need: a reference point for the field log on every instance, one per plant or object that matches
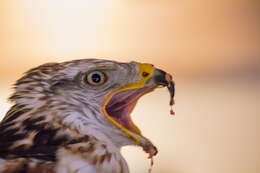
(171, 89)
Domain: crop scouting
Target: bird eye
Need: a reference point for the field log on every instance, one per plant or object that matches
(96, 78)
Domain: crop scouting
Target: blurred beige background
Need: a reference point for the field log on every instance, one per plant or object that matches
(211, 47)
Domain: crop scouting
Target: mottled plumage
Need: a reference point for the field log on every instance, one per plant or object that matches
(75, 116)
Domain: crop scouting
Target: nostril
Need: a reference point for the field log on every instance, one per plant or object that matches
(145, 74)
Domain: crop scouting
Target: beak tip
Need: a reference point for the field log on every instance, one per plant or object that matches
(168, 78)
(162, 78)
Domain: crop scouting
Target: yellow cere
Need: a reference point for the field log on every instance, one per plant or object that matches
(148, 68)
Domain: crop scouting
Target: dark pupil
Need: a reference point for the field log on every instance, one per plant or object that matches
(96, 78)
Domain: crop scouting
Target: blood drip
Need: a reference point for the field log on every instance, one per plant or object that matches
(171, 89)
(151, 165)
(172, 112)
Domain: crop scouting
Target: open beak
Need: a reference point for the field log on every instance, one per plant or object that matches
(119, 104)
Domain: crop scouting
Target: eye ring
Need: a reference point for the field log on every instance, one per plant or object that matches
(95, 78)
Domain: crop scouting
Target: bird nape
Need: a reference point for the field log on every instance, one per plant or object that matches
(75, 116)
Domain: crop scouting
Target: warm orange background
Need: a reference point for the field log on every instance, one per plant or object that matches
(211, 47)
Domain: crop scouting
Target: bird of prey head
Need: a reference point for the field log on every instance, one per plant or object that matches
(75, 116)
